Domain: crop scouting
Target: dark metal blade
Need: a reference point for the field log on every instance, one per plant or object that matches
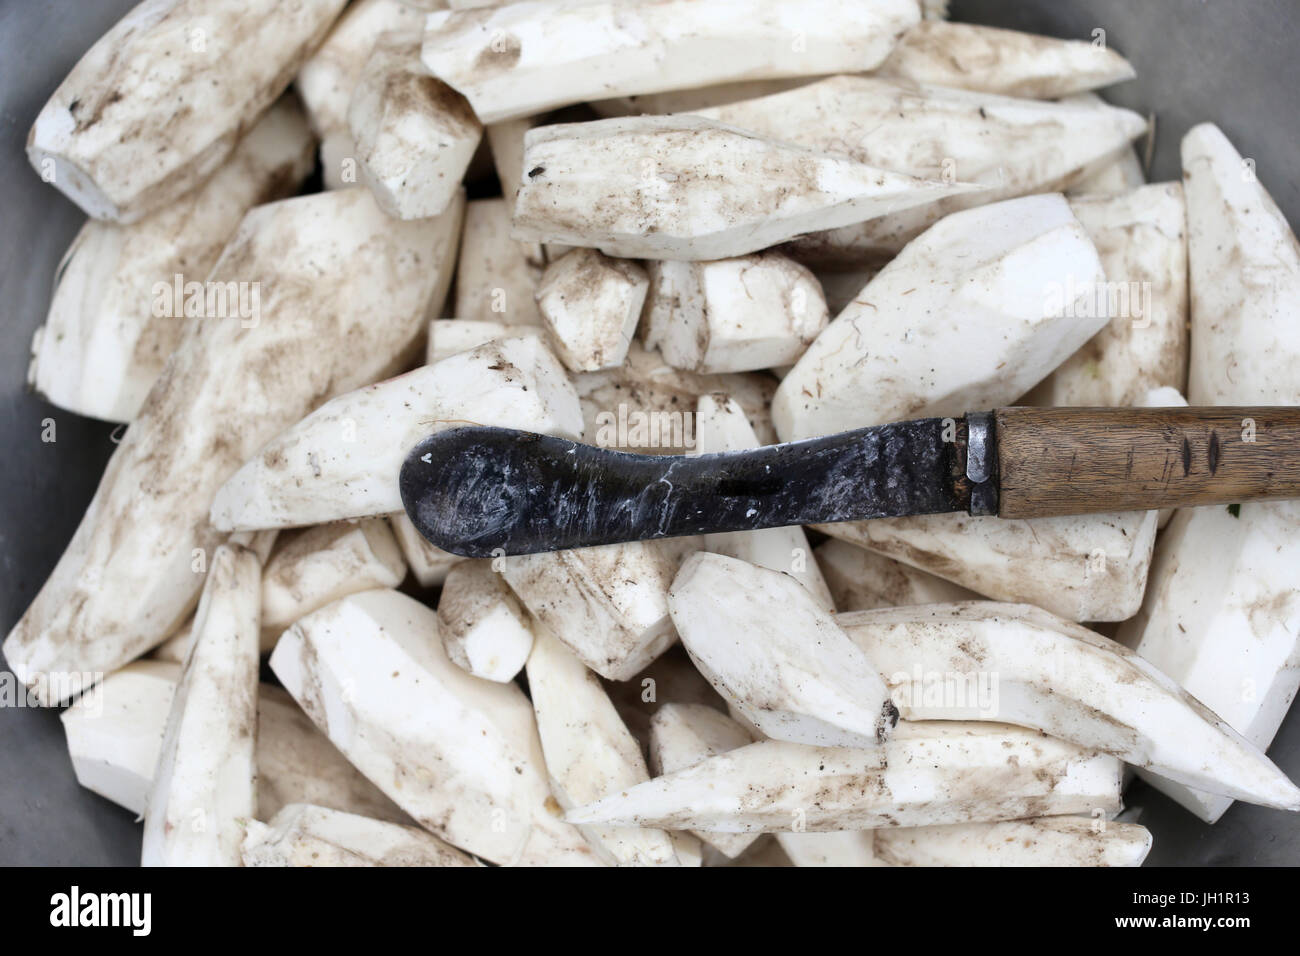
(483, 492)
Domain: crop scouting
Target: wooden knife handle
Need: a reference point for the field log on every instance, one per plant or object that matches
(1060, 461)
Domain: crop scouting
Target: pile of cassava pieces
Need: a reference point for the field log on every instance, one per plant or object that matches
(724, 177)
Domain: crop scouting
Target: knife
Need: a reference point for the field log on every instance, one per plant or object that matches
(485, 492)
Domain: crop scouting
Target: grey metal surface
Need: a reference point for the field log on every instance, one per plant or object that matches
(1233, 63)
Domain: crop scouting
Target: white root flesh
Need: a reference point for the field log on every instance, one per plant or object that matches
(1083, 567)
(1006, 62)
(342, 460)
(526, 58)
(1244, 270)
(115, 733)
(115, 315)
(1141, 238)
(306, 835)
(609, 604)
(693, 100)
(1222, 612)
(768, 647)
(686, 187)
(1020, 665)
(485, 631)
(681, 735)
(971, 314)
(861, 580)
(721, 426)
(174, 649)
(590, 305)
(414, 135)
(177, 647)
(496, 278)
(1012, 147)
(459, 754)
(344, 291)
(326, 81)
(670, 679)
(589, 751)
(644, 405)
(925, 774)
(155, 107)
(1121, 174)
(296, 763)
(1048, 841)
(259, 542)
(448, 337)
(839, 848)
(429, 564)
(319, 565)
(733, 315)
(205, 785)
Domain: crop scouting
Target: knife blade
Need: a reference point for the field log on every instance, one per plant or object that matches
(485, 492)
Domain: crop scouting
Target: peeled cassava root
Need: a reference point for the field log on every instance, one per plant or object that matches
(1043, 672)
(526, 58)
(861, 580)
(459, 754)
(1006, 62)
(926, 774)
(205, 784)
(590, 304)
(116, 313)
(1219, 611)
(1012, 147)
(1141, 239)
(609, 604)
(322, 564)
(414, 135)
(687, 187)
(769, 648)
(326, 81)
(589, 751)
(496, 278)
(962, 319)
(681, 735)
(484, 629)
(1082, 567)
(733, 315)
(344, 292)
(1047, 841)
(305, 835)
(115, 734)
(154, 108)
